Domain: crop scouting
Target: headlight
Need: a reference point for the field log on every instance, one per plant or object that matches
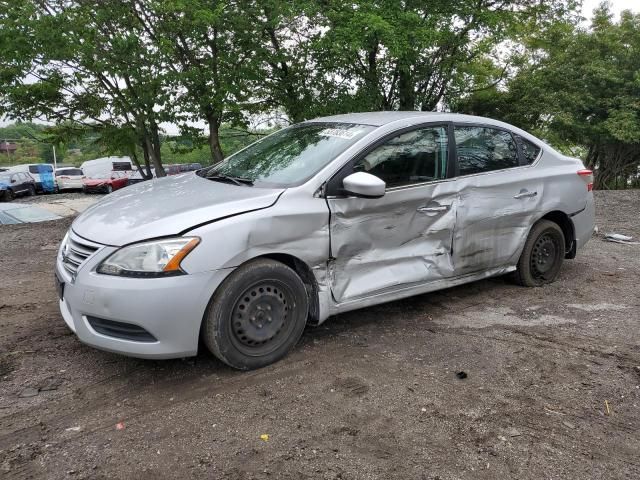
(158, 258)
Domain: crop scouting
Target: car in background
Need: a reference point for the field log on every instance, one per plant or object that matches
(42, 173)
(136, 177)
(13, 184)
(178, 168)
(105, 183)
(173, 169)
(69, 178)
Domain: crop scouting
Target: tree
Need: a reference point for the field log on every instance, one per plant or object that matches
(579, 87)
(421, 55)
(86, 63)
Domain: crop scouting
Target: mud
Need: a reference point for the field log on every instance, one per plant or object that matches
(552, 387)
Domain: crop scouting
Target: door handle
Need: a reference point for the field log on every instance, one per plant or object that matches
(439, 208)
(525, 195)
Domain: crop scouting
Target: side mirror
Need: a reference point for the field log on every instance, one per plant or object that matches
(362, 184)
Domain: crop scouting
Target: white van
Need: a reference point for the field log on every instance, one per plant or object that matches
(42, 173)
(105, 165)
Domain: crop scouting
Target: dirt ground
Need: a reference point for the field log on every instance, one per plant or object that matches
(552, 388)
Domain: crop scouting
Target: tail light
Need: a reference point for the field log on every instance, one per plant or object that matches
(587, 176)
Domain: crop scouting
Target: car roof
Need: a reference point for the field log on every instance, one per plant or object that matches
(410, 118)
(379, 119)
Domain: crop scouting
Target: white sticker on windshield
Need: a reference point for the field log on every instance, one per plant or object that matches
(338, 133)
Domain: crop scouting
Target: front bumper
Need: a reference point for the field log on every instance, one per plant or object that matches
(171, 309)
(102, 188)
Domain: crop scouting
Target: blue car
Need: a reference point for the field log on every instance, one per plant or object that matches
(13, 184)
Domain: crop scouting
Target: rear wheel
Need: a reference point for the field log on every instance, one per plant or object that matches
(542, 255)
(32, 191)
(257, 315)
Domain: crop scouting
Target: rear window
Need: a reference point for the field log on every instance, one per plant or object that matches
(529, 151)
(69, 172)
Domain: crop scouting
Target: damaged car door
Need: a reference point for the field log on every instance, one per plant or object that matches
(498, 196)
(403, 238)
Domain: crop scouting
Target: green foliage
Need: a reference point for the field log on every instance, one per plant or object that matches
(579, 88)
(108, 74)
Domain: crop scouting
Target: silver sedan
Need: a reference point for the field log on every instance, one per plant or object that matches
(323, 217)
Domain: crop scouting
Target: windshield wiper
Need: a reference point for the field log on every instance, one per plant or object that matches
(220, 177)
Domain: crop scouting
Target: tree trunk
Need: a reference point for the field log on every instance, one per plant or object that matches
(152, 140)
(214, 138)
(406, 90)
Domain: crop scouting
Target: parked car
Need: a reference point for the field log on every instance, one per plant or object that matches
(320, 218)
(178, 168)
(69, 178)
(105, 183)
(13, 184)
(99, 166)
(42, 173)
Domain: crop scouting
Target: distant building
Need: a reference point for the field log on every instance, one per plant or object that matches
(8, 148)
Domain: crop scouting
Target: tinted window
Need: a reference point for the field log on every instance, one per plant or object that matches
(482, 149)
(412, 157)
(529, 151)
(68, 171)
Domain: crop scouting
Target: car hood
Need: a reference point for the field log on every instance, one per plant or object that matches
(167, 206)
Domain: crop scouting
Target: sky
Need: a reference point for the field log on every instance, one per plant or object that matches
(587, 9)
(616, 6)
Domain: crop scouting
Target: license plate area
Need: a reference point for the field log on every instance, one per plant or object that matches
(59, 286)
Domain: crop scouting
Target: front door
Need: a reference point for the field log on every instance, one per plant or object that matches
(405, 237)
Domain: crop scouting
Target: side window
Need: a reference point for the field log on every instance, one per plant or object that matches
(412, 157)
(529, 151)
(483, 149)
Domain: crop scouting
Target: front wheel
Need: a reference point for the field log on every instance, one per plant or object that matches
(109, 189)
(257, 315)
(542, 255)
(9, 195)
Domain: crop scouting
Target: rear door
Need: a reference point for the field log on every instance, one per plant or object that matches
(499, 194)
(403, 238)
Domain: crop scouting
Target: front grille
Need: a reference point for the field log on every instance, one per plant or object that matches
(125, 331)
(75, 252)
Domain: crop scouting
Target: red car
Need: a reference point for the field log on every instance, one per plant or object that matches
(105, 183)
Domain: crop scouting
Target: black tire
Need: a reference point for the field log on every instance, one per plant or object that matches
(9, 195)
(109, 189)
(32, 191)
(542, 256)
(256, 316)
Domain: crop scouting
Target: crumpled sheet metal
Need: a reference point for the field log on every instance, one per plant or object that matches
(492, 225)
(377, 245)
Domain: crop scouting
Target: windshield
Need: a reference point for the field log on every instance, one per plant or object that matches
(291, 156)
